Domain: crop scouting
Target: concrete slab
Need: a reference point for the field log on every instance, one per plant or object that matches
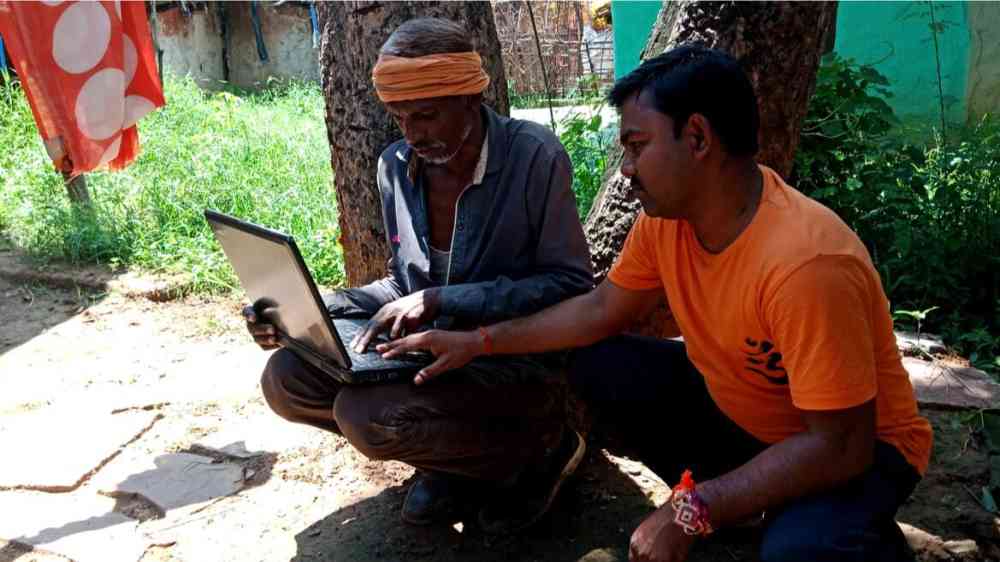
(173, 480)
(259, 435)
(57, 449)
(160, 373)
(939, 385)
(258, 524)
(908, 342)
(80, 526)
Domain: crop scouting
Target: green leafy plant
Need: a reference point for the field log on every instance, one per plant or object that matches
(917, 316)
(587, 144)
(981, 346)
(928, 213)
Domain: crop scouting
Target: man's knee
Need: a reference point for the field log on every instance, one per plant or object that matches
(775, 548)
(377, 426)
(802, 542)
(281, 366)
(587, 370)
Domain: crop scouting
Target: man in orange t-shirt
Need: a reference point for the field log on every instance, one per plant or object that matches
(787, 395)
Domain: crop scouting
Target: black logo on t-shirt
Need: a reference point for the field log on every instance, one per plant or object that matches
(764, 360)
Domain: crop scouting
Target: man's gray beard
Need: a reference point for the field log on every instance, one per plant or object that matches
(445, 159)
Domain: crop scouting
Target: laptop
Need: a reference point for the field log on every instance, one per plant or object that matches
(275, 278)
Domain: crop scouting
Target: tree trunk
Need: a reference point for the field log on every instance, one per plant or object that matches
(779, 45)
(357, 124)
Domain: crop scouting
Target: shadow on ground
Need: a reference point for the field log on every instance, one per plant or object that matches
(37, 301)
(23, 302)
(591, 521)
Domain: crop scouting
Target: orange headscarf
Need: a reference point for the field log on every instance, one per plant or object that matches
(430, 76)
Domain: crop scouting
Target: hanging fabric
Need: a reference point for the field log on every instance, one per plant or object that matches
(3, 58)
(87, 69)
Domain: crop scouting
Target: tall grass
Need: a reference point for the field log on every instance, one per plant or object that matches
(262, 157)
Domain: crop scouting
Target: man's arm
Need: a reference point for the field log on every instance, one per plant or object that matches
(579, 321)
(561, 256)
(837, 445)
(365, 301)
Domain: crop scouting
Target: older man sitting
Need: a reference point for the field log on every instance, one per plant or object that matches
(483, 227)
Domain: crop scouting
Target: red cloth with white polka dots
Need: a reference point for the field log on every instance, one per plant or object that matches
(89, 73)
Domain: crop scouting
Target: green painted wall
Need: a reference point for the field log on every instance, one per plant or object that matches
(631, 20)
(896, 38)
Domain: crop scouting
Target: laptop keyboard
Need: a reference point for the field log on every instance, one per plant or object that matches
(372, 360)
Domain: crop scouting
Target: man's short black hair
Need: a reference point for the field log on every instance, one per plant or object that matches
(695, 79)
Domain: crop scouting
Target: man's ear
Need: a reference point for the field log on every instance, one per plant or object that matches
(474, 100)
(699, 135)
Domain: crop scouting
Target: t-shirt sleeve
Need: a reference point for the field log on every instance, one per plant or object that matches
(637, 267)
(821, 320)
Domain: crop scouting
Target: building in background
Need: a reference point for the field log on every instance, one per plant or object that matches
(587, 44)
(577, 48)
(247, 44)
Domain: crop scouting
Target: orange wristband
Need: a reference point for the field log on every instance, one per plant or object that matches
(487, 341)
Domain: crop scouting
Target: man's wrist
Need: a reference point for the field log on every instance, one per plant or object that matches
(709, 496)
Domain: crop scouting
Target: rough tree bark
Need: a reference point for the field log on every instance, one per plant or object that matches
(779, 44)
(357, 124)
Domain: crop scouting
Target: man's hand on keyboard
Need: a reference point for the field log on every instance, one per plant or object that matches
(399, 317)
(450, 349)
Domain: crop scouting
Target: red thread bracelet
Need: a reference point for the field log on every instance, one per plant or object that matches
(690, 511)
(487, 341)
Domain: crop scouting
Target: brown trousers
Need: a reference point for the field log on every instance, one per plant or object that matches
(455, 424)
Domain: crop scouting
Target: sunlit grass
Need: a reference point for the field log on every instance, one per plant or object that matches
(262, 157)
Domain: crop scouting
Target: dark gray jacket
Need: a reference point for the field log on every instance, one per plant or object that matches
(517, 246)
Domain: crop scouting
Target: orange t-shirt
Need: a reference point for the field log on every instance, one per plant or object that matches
(791, 316)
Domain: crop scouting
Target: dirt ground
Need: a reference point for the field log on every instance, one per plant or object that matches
(308, 496)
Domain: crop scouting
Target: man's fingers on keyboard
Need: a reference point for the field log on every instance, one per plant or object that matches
(360, 342)
(393, 348)
(430, 371)
(397, 328)
(359, 333)
(375, 330)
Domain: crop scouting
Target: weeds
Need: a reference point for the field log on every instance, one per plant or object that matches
(262, 157)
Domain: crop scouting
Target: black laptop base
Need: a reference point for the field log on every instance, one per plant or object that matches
(388, 370)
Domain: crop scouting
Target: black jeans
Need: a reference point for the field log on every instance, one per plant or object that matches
(652, 400)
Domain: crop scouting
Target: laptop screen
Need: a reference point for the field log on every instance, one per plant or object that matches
(271, 271)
